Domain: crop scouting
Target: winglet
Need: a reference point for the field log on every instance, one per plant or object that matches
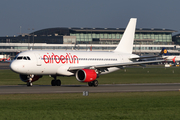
(126, 43)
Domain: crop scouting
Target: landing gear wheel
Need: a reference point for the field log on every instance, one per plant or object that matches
(58, 82)
(29, 84)
(53, 83)
(95, 83)
(90, 84)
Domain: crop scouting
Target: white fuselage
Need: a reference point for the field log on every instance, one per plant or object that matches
(172, 58)
(58, 62)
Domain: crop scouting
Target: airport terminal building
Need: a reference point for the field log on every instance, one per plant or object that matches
(147, 41)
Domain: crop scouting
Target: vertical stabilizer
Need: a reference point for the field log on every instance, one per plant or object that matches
(164, 52)
(126, 43)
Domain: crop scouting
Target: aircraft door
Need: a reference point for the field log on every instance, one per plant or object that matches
(38, 59)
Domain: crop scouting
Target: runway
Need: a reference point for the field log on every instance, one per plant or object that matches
(23, 89)
(4, 65)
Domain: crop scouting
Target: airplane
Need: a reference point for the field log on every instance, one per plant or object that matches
(165, 54)
(5, 59)
(86, 66)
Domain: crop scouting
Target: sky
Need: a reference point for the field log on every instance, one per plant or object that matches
(26, 16)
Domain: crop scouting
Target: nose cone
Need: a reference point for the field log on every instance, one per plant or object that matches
(14, 67)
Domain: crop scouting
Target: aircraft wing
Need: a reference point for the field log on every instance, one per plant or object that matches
(73, 68)
(144, 57)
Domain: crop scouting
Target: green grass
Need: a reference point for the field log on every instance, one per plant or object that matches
(143, 75)
(125, 76)
(99, 106)
(105, 106)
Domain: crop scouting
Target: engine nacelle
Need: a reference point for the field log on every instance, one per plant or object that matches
(25, 78)
(86, 75)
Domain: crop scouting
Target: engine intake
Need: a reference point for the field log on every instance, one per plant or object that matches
(25, 78)
(86, 75)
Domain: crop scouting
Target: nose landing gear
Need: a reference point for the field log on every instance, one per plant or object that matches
(29, 82)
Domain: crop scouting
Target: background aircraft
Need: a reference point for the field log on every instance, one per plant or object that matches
(87, 66)
(165, 54)
(4, 58)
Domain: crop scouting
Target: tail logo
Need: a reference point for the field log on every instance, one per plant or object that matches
(174, 59)
(165, 51)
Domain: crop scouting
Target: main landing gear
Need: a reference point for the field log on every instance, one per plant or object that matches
(93, 83)
(55, 82)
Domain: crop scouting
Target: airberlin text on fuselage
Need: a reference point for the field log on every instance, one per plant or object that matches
(53, 58)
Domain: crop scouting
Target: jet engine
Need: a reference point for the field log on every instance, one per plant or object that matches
(86, 75)
(25, 78)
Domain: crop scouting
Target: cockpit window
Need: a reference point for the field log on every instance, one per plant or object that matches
(19, 58)
(25, 58)
(16, 56)
(22, 57)
(28, 58)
